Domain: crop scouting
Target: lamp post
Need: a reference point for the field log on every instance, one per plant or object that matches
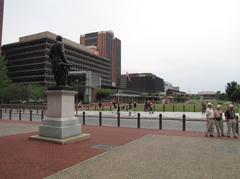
(77, 81)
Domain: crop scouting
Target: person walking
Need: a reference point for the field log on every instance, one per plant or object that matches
(210, 120)
(130, 108)
(135, 106)
(231, 120)
(219, 120)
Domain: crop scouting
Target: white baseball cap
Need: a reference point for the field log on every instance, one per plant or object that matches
(218, 106)
(231, 105)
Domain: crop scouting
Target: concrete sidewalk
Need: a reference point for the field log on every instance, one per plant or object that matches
(155, 156)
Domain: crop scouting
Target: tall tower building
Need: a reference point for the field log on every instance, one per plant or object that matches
(1, 19)
(107, 46)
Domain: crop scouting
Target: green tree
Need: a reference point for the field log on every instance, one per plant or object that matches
(4, 80)
(233, 91)
(104, 93)
(36, 91)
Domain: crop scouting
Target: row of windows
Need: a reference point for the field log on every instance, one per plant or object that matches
(36, 47)
(25, 61)
(31, 54)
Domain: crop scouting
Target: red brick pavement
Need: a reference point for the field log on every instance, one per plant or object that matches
(24, 158)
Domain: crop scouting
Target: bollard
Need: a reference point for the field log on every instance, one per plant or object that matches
(138, 120)
(184, 108)
(118, 119)
(194, 108)
(184, 122)
(10, 114)
(237, 125)
(20, 115)
(42, 115)
(1, 113)
(173, 108)
(160, 121)
(83, 117)
(164, 108)
(30, 115)
(100, 118)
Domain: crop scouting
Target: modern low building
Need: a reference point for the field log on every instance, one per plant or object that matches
(146, 82)
(28, 60)
(169, 86)
(106, 45)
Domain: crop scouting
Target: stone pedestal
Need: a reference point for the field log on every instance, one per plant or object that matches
(60, 125)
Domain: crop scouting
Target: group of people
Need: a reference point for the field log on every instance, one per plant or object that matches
(149, 106)
(216, 117)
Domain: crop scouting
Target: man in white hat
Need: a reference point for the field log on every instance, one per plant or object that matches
(219, 120)
(231, 120)
(210, 120)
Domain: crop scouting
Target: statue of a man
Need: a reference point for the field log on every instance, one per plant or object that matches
(60, 66)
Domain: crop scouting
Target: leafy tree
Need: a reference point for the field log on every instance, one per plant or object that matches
(233, 91)
(36, 91)
(104, 93)
(4, 80)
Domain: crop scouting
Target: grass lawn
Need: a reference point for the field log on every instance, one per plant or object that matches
(187, 107)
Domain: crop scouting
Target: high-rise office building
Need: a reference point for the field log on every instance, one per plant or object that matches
(1, 19)
(107, 46)
(28, 60)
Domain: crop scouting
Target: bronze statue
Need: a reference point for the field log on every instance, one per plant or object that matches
(60, 66)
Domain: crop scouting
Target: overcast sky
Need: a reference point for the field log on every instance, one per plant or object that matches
(194, 44)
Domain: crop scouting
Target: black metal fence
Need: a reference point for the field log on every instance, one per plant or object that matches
(38, 114)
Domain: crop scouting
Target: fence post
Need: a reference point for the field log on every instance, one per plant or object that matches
(194, 108)
(138, 120)
(237, 125)
(0, 113)
(184, 108)
(30, 115)
(20, 115)
(100, 118)
(83, 117)
(42, 115)
(10, 114)
(184, 122)
(160, 121)
(118, 119)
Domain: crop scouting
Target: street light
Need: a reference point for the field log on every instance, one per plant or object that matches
(77, 81)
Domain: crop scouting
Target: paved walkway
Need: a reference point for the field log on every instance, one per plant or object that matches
(155, 156)
(136, 153)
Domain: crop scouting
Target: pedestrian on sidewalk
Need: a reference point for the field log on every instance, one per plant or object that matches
(135, 106)
(210, 120)
(231, 120)
(219, 120)
(130, 108)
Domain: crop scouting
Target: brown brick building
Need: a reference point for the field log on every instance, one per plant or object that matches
(1, 19)
(107, 46)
